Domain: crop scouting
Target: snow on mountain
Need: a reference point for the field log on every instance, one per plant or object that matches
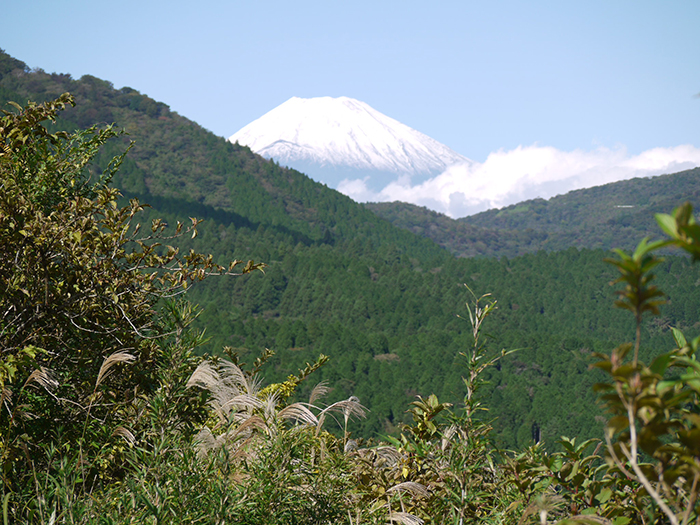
(335, 139)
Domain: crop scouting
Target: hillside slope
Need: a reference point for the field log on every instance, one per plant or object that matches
(380, 301)
(615, 215)
(174, 158)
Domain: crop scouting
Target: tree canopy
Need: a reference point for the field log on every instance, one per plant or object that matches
(80, 282)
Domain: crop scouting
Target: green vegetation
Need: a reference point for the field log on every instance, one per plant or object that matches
(379, 301)
(605, 217)
(112, 413)
(79, 286)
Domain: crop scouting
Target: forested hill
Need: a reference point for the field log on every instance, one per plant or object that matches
(177, 165)
(614, 215)
(381, 302)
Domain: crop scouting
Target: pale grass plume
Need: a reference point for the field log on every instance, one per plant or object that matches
(5, 396)
(248, 448)
(349, 407)
(542, 506)
(447, 437)
(108, 364)
(206, 442)
(413, 488)
(270, 410)
(318, 392)
(42, 377)
(235, 397)
(246, 415)
(222, 375)
(243, 403)
(299, 413)
(231, 390)
(404, 518)
(126, 434)
(350, 446)
(387, 457)
(238, 440)
(381, 457)
(235, 378)
(238, 418)
(205, 376)
(251, 424)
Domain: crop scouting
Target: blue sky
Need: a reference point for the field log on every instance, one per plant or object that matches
(480, 77)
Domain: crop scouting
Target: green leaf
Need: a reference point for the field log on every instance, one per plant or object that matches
(664, 386)
(617, 423)
(642, 249)
(679, 337)
(604, 495)
(660, 364)
(574, 471)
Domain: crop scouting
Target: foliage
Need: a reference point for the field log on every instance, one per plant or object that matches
(651, 470)
(654, 429)
(477, 360)
(614, 215)
(111, 416)
(639, 296)
(79, 285)
(683, 229)
(443, 460)
(261, 467)
(378, 301)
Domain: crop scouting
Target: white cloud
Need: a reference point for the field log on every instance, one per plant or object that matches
(507, 177)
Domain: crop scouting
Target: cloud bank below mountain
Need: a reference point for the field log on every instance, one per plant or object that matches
(527, 172)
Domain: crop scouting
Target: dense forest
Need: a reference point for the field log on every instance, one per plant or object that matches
(616, 215)
(382, 303)
(378, 315)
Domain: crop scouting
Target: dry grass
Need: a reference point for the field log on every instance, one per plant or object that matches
(413, 488)
(42, 377)
(107, 366)
(404, 518)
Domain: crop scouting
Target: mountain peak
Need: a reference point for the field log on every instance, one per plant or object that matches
(333, 139)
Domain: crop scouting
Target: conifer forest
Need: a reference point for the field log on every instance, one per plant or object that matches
(190, 333)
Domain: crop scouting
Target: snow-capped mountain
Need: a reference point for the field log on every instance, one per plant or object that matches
(332, 139)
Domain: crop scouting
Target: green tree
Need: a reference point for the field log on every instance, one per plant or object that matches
(80, 281)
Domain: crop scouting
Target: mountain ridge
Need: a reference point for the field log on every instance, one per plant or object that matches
(587, 218)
